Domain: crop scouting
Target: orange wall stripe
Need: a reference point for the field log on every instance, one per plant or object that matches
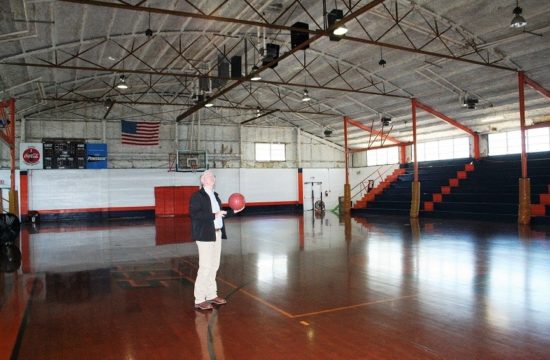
(102, 209)
(142, 208)
(24, 193)
(300, 186)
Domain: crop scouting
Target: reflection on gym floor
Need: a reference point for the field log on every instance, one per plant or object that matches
(298, 287)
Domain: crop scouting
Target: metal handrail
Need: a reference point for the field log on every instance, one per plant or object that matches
(2, 199)
(364, 182)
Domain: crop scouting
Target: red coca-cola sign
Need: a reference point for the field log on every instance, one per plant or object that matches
(31, 156)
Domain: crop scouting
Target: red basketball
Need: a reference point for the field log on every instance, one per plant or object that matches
(236, 201)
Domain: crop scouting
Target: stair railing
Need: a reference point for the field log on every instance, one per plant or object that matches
(363, 186)
(3, 202)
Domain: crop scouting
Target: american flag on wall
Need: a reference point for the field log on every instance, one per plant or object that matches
(140, 132)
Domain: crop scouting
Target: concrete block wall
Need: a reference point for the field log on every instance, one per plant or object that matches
(228, 145)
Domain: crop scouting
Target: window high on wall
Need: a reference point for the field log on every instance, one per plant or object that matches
(444, 149)
(383, 156)
(270, 152)
(510, 142)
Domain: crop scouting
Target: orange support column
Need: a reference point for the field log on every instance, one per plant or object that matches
(300, 186)
(24, 194)
(347, 188)
(8, 135)
(476, 146)
(415, 199)
(524, 210)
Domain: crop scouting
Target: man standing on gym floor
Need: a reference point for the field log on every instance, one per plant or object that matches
(208, 230)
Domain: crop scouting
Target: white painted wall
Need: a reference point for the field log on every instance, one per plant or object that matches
(85, 189)
(107, 188)
(332, 182)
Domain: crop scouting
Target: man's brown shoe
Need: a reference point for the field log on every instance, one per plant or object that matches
(217, 301)
(205, 305)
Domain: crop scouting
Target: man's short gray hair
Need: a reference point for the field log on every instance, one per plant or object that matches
(206, 173)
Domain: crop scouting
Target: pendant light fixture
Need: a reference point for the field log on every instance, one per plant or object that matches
(518, 21)
(122, 80)
(122, 83)
(382, 62)
(305, 97)
(255, 74)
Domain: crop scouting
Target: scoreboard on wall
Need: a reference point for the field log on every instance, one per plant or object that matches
(64, 153)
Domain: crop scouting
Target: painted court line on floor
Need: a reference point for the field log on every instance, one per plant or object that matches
(290, 316)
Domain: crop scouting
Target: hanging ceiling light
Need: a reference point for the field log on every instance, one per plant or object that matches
(340, 30)
(382, 62)
(149, 32)
(256, 76)
(122, 82)
(518, 21)
(306, 97)
(108, 103)
(209, 103)
(333, 17)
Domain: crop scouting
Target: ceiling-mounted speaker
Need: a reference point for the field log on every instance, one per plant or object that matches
(298, 37)
(271, 54)
(199, 98)
(236, 67)
(204, 84)
(470, 102)
(223, 72)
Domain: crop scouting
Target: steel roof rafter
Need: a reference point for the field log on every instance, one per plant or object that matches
(284, 56)
(283, 27)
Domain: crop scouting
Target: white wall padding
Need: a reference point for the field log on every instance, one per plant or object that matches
(85, 189)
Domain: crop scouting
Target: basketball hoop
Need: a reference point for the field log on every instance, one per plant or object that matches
(191, 161)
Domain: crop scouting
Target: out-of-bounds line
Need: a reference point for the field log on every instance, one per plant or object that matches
(313, 313)
(342, 308)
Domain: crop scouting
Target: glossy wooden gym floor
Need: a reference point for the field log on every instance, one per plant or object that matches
(298, 287)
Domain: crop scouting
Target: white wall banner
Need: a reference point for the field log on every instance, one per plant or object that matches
(31, 156)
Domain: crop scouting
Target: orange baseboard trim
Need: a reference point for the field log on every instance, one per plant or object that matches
(102, 209)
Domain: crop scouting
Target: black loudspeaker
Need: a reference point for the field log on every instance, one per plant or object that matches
(236, 67)
(223, 72)
(271, 53)
(204, 84)
(298, 37)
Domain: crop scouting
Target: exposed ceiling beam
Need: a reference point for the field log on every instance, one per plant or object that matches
(153, 103)
(302, 46)
(165, 73)
(258, 117)
(288, 28)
